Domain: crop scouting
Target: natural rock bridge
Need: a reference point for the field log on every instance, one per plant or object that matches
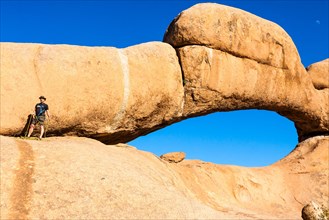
(213, 58)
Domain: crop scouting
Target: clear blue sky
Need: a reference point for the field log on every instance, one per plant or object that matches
(249, 138)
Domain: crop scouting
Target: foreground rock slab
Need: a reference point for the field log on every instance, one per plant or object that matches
(71, 177)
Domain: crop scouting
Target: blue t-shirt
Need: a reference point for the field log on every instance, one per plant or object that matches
(40, 109)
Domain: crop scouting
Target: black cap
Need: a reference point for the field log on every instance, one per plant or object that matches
(42, 97)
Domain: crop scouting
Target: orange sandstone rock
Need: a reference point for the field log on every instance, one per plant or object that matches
(173, 157)
(227, 59)
(80, 178)
(320, 74)
(233, 60)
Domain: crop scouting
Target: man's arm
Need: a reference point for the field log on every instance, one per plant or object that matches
(48, 114)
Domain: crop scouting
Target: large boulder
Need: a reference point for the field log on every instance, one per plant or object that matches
(173, 157)
(233, 60)
(314, 211)
(234, 31)
(218, 81)
(320, 74)
(91, 91)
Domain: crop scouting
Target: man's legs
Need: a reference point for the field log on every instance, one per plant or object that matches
(42, 131)
(30, 130)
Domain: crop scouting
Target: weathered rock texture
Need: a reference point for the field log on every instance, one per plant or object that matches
(173, 157)
(91, 91)
(80, 178)
(320, 74)
(232, 60)
(220, 59)
(314, 211)
(228, 59)
(234, 31)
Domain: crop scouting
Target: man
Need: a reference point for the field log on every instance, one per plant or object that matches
(41, 109)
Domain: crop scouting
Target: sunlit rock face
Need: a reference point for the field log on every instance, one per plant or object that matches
(173, 157)
(232, 60)
(320, 74)
(216, 58)
(80, 178)
(111, 94)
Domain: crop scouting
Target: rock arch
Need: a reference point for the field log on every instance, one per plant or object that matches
(229, 60)
(232, 60)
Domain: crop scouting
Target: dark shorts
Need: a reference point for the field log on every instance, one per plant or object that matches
(39, 119)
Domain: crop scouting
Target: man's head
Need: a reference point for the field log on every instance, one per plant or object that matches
(42, 98)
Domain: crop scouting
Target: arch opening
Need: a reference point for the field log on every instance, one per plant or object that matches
(251, 138)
